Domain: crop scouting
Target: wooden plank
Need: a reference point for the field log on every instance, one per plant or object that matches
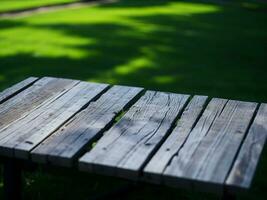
(207, 155)
(22, 136)
(126, 147)
(15, 89)
(62, 147)
(156, 166)
(248, 157)
(23, 103)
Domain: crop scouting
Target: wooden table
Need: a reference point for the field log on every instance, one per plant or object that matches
(178, 140)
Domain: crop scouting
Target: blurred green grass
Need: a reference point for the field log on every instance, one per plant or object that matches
(185, 47)
(12, 5)
(177, 46)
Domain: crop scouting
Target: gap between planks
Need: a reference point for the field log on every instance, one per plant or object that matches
(17, 88)
(61, 109)
(240, 176)
(244, 139)
(153, 115)
(181, 179)
(85, 127)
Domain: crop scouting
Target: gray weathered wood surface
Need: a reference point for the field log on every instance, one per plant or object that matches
(125, 148)
(158, 137)
(9, 92)
(33, 97)
(156, 166)
(64, 145)
(207, 155)
(248, 157)
(20, 137)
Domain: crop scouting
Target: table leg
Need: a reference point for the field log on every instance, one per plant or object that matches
(12, 179)
(228, 196)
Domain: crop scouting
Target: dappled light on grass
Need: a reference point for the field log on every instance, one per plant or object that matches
(42, 43)
(164, 79)
(121, 12)
(133, 66)
(7, 5)
(177, 46)
(33, 35)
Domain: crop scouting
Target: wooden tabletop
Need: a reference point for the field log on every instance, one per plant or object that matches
(179, 140)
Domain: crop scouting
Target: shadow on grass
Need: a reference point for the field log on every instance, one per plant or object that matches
(220, 54)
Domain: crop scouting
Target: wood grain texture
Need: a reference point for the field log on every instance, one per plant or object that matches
(62, 147)
(156, 166)
(54, 120)
(208, 153)
(248, 157)
(125, 148)
(11, 91)
(33, 97)
(23, 135)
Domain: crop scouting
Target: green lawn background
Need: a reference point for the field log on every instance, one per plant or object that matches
(178, 46)
(13, 5)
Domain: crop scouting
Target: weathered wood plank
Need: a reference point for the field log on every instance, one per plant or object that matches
(126, 147)
(41, 91)
(207, 155)
(22, 136)
(62, 147)
(245, 165)
(9, 92)
(156, 166)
